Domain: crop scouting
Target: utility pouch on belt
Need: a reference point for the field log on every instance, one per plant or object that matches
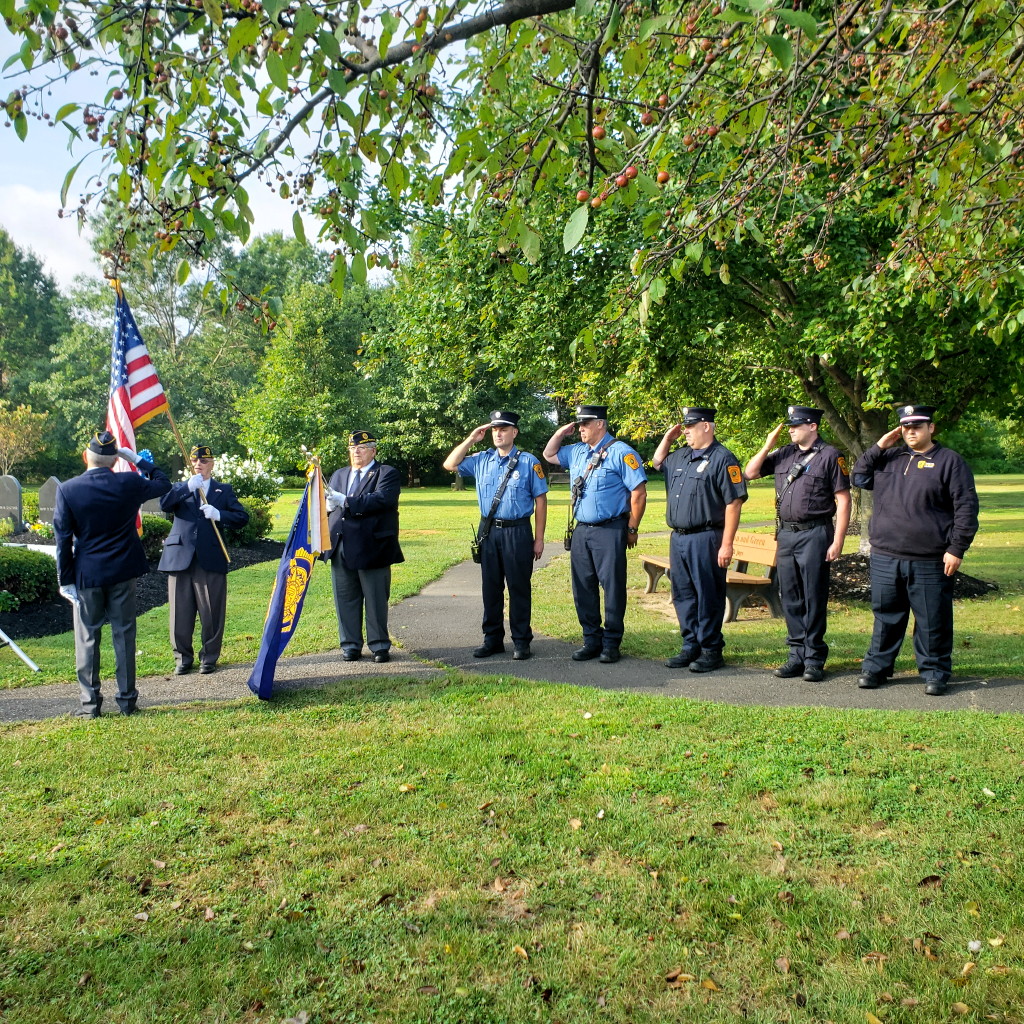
(568, 536)
(474, 548)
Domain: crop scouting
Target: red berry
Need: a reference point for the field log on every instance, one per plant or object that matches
(622, 181)
(647, 117)
(631, 172)
(663, 176)
(598, 132)
(596, 202)
(583, 195)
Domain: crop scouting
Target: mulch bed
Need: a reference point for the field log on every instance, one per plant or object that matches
(851, 581)
(50, 617)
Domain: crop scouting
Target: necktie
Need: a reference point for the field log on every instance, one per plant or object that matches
(353, 482)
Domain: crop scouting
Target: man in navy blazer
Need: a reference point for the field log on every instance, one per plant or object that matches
(99, 557)
(195, 563)
(362, 500)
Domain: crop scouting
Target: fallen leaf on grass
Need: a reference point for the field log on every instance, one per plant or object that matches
(930, 882)
(158, 864)
(575, 823)
(587, 714)
(876, 958)
(710, 985)
(910, 1002)
(483, 807)
(428, 990)
(783, 965)
(499, 885)
(967, 968)
(960, 1008)
(678, 975)
(519, 951)
(719, 826)
(786, 896)
(996, 942)
(871, 1018)
(302, 1017)
(843, 935)
(998, 970)
(406, 787)
(143, 916)
(84, 980)
(208, 914)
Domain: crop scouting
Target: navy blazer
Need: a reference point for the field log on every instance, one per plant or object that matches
(192, 533)
(94, 522)
(367, 528)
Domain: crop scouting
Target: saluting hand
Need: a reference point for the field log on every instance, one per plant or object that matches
(773, 438)
(566, 430)
(888, 440)
(479, 434)
(673, 432)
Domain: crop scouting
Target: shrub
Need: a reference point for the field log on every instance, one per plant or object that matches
(8, 602)
(154, 530)
(293, 483)
(6, 528)
(42, 533)
(249, 477)
(259, 525)
(28, 575)
(30, 506)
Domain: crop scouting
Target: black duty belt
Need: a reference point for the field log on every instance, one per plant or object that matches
(614, 521)
(807, 524)
(685, 531)
(504, 523)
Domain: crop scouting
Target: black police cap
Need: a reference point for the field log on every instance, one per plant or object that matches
(503, 418)
(591, 412)
(697, 414)
(799, 414)
(361, 437)
(916, 414)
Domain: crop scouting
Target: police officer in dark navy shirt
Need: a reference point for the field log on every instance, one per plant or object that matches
(924, 519)
(812, 484)
(608, 513)
(509, 547)
(706, 491)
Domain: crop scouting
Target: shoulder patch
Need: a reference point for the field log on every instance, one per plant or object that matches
(538, 470)
(735, 475)
(631, 460)
(842, 466)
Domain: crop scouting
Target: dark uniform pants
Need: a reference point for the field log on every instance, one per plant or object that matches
(197, 592)
(354, 590)
(803, 577)
(506, 559)
(116, 604)
(900, 586)
(698, 590)
(598, 560)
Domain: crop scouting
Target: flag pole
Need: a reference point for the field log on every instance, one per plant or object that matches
(202, 490)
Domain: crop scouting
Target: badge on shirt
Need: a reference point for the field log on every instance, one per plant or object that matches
(921, 464)
(631, 460)
(515, 475)
(538, 470)
(842, 466)
(703, 465)
(735, 475)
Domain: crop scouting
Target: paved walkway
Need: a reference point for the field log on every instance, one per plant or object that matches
(441, 625)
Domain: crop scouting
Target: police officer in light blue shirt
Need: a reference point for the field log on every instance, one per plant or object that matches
(508, 547)
(610, 495)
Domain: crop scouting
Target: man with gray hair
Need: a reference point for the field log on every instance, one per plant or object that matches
(99, 558)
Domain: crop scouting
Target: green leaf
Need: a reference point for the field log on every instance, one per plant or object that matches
(520, 273)
(244, 34)
(530, 242)
(782, 49)
(585, 8)
(359, 268)
(277, 71)
(213, 11)
(67, 183)
(799, 19)
(575, 228)
(298, 228)
(21, 126)
(658, 289)
(276, 305)
(732, 15)
(68, 108)
(723, 273)
(652, 25)
(694, 251)
(182, 272)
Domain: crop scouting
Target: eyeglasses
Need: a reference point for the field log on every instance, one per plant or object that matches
(204, 460)
(360, 447)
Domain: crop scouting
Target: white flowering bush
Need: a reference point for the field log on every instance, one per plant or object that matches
(249, 477)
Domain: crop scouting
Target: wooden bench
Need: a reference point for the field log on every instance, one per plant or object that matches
(740, 583)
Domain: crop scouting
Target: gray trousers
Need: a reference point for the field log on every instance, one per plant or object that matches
(354, 590)
(116, 604)
(195, 591)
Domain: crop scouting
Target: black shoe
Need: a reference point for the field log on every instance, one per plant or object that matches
(86, 713)
(129, 711)
(351, 654)
(935, 688)
(681, 660)
(486, 650)
(205, 670)
(609, 656)
(707, 663)
(522, 653)
(380, 657)
(813, 674)
(586, 653)
(869, 681)
(791, 669)
(183, 670)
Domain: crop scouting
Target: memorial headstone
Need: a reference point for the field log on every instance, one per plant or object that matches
(48, 500)
(152, 506)
(10, 500)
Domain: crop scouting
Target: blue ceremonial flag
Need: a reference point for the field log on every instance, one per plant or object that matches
(308, 538)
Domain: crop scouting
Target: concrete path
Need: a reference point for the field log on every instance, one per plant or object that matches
(441, 625)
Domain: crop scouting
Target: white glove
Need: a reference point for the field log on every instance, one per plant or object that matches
(128, 455)
(210, 512)
(195, 482)
(69, 592)
(332, 502)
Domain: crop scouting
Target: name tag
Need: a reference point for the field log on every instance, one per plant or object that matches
(921, 464)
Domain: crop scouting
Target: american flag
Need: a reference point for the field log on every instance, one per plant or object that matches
(136, 394)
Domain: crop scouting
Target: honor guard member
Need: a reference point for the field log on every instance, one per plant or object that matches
(362, 500)
(924, 518)
(507, 546)
(706, 491)
(197, 568)
(610, 495)
(99, 558)
(812, 484)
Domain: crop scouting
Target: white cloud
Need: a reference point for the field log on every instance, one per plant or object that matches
(30, 217)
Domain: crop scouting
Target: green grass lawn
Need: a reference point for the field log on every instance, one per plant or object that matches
(472, 850)
(436, 525)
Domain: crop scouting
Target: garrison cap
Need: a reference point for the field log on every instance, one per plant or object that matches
(200, 451)
(916, 414)
(696, 414)
(361, 437)
(504, 418)
(591, 412)
(103, 443)
(799, 414)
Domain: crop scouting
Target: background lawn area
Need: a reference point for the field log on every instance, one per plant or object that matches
(475, 850)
